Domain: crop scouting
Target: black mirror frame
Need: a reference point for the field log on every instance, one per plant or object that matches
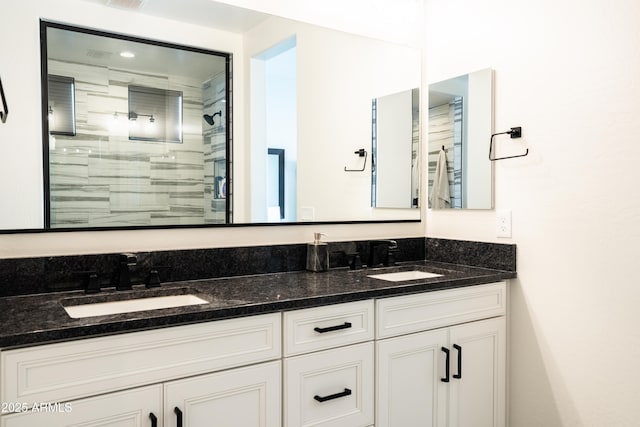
(44, 25)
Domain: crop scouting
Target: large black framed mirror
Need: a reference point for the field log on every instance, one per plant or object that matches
(332, 77)
(150, 144)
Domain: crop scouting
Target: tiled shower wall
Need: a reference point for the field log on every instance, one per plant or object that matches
(100, 178)
(445, 130)
(214, 93)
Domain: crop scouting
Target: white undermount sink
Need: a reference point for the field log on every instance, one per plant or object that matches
(132, 305)
(402, 276)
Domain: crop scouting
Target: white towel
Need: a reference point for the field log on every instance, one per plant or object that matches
(440, 197)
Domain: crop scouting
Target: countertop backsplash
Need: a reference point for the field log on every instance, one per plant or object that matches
(26, 276)
(498, 256)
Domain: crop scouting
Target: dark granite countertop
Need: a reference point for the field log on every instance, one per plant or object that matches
(39, 319)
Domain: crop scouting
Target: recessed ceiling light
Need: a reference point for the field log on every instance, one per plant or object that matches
(127, 54)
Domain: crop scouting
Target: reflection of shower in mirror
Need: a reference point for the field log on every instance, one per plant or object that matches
(461, 119)
(209, 117)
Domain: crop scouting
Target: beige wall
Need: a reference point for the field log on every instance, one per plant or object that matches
(567, 72)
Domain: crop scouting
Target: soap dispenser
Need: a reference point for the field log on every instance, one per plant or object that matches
(317, 254)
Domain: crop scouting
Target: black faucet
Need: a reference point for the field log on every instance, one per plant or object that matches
(91, 282)
(388, 256)
(153, 279)
(123, 277)
(355, 262)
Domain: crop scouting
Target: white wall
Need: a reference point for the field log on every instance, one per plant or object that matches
(568, 73)
(272, 125)
(327, 136)
(20, 137)
(399, 21)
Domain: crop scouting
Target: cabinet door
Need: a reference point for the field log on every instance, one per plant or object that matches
(409, 389)
(477, 398)
(242, 397)
(131, 408)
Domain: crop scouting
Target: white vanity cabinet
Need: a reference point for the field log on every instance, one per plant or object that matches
(432, 374)
(329, 366)
(140, 378)
(432, 359)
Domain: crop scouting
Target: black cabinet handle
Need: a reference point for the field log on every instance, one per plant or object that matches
(154, 419)
(178, 416)
(446, 365)
(345, 325)
(5, 110)
(459, 374)
(344, 393)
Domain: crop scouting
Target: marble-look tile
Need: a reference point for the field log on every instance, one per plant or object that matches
(68, 219)
(119, 165)
(88, 78)
(176, 170)
(68, 168)
(87, 198)
(125, 199)
(190, 189)
(116, 219)
(129, 77)
(133, 170)
(170, 218)
(189, 204)
(114, 182)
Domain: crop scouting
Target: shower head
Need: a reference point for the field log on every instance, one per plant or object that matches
(209, 117)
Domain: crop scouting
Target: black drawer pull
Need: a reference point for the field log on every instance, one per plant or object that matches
(344, 393)
(178, 413)
(154, 419)
(446, 365)
(459, 374)
(345, 325)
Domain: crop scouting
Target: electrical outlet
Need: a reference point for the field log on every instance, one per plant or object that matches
(503, 223)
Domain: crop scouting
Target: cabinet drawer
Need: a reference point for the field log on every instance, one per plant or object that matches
(326, 327)
(332, 388)
(65, 371)
(419, 312)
